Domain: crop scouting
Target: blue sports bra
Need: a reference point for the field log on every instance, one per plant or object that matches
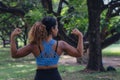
(48, 55)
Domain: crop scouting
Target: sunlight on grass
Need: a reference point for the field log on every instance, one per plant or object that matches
(64, 68)
(113, 50)
(19, 65)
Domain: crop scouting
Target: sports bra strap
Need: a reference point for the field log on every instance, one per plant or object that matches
(39, 48)
(56, 47)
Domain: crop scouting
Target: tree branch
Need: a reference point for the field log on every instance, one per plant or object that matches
(15, 11)
(110, 40)
(65, 2)
(2, 5)
(47, 4)
(59, 7)
(112, 6)
(115, 14)
(6, 19)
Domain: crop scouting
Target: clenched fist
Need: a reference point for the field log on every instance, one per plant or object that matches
(77, 32)
(16, 32)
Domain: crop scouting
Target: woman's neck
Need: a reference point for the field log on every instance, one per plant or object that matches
(48, 38)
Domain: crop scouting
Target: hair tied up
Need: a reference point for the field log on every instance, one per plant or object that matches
(37, 33)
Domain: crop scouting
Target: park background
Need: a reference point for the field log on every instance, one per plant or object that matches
(98, 20)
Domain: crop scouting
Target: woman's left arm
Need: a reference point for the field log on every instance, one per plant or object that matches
(17, 53)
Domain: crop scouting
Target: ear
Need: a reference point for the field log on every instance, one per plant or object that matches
(52, 29)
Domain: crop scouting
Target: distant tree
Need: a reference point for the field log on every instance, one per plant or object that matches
(17, 14)
(6, 27)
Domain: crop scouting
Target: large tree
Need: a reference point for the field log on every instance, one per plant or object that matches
(94, 35)
(95, 55)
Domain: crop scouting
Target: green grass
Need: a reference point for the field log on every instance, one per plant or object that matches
(24, 68)
(92, 76)
(113, 50)
(15, 69)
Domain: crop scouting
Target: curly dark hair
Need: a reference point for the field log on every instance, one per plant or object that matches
(37, 33)
(40, 30)
(49, 22)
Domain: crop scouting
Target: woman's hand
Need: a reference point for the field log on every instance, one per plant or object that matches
(77, 32)
(17, 31)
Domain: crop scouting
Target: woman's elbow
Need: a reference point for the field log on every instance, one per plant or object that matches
(14, 56)
(79, 55)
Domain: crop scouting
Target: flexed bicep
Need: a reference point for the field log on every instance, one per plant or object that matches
(70, 50)
(21, 52)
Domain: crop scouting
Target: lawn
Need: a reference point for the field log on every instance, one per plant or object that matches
(24, 68)
(113, 50)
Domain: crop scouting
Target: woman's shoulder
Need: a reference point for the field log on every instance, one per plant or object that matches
(32, 45)
(61, 43)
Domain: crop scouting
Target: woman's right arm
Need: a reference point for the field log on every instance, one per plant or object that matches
(17, 53)
(72, 51)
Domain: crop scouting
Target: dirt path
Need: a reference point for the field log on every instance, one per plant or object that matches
(111, 61)
(107, 61)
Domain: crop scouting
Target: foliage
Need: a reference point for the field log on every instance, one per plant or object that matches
(33, 15)
(76, 16)
(103, 22)
(34, 12)
(8, 25)
(55, 4)
(113, 23)
(10, 21)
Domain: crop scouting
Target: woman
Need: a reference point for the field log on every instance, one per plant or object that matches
(45, 49)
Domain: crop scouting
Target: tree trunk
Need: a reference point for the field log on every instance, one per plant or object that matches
(25, 35)
(16, 41)
(4, 45)
(95, 55)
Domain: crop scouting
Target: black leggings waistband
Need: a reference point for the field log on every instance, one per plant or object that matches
(47, 74)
